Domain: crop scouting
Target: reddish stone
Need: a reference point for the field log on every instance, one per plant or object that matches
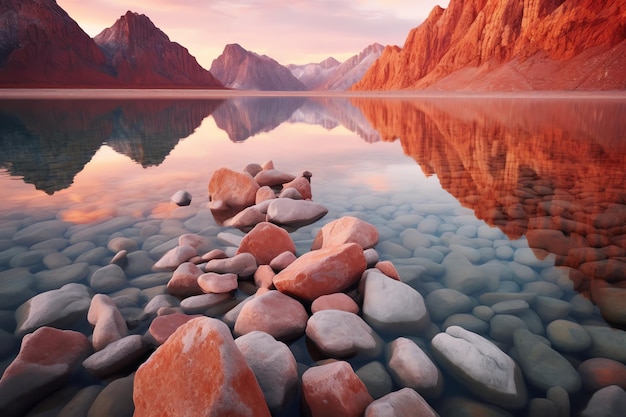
(264, 193)
(198, 371)
(346, 230)
(282, 261)
(389, 269)
(598, 373)
(174, 257)
(212, 282)
(193, 240)
(214, 254)
(302, 185)
(266, 241)
(273, 177)
(162, 327)
(248, 217)
(334, 389)
(184, 281)
(337, 301)
(607, 269)
(323, 271)
(263, 276)
(274, 313)
(231, 190)
(109, 325)
(242, 264)
(267, 165)
(46, 358)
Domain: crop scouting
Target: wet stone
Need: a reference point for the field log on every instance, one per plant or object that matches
(15, 287)
(568, 336)
(108, 279)
(503, 326)
(116, 356)
(56, 278)
(510, 307)
(468, 322)
(376, 378)
(411, 367)
(444, 302)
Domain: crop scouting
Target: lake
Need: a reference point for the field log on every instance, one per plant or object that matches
(504, 212)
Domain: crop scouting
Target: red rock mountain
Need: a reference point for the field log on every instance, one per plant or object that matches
(143, 55)
(241, 69)
(40, 45)
(509, 45)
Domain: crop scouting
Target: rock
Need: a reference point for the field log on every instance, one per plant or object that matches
(108, 279)
(263, 276)
(392, 306)
(56, 278)
(181, 198)
(55, 308)
(109, 325)
(212, 282)
(334, 390)
(598, 373)
(174, 257)
(231, 190)
(122, 243)
(607, 402)
(242, 265)
(481, 367)
(321, 272)
(162, 327)
(543, 366)
(116, 356)
(461, 275)
(411, 367)
(340, 334)
(302, 185)
(336, 301)
(140, 263)
(116, 399)
(282, 261)
(371, 257)
(346, 229)
(607, 342)
(81, 402)
(560, 398)
(568, 336)
(39, 232)
(290, 193)
(468, 322)
(274, 313)
(160, 301)
(15, 287)
(184, 281)
(503, 326)
(403, 403)
(468, 407)
(266, 241)
(550, 309)
(252, 169)
(445, 302)
(46, 359)
(198, 304)
(273, 178)
(294, 213)
(246, 218)
(376, 378)
(263, 194)
(212, 376)
(612, 303)
(273, 365)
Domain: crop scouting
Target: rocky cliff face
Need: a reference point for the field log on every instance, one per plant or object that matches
(40, 45)
(143, 55)
(241, 69)
(314, 75)
(509, 45)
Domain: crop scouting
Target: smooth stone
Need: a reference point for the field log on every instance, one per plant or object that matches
(184, 281)
(212, 282)
(481, 367)
(273, 178)
(598, 373)
(503, 326)
(294, 213)
(541, 407)
(29, 258)
(279, 380)
(265, 242)
(510, 307)
(468, 322)
(109, 324)
(550, 309)
(393, 249)
(607, 402)
(115, 399)
(174, 257)
(108, 279)
(607, 342)
(56, 243)
(290, 193)
(56, 278)
(392, 306)
(411, 367)
(402, 403)
(544, 288)
(106, 228)
(346, 229)
(264, 193)
(376, 378)
(151, 280)
(181, 198)
(522, 274)
(467, 407)
(212, 375)
(246, 218)
(139, 263)
(560, 399)
(334, 389)
(162, 327)
(122, 243)
(242, 265)
(302, 185)
(10, 253)
(336, 301)
(263, 276)
(96, 256)
(323, 271)
(528, 257)
(340, 334)
(430, 225)
(231, 190)
(274, 313)
(504, 253)
(612, 303)
(230, 238)
(472, 255)
(116, 356)
(282, 261)
(55, 308)
(46, 359)
(483, 312)
(582, 307)
(389, 269)
(160, 301)
(81, 402)
(15, 287)
(55, 260)
(197, 304)
(491, 298)
(543, 366)
(445, 302)
(567, 336)
(40, 231)
(461, 275)
(430, 254)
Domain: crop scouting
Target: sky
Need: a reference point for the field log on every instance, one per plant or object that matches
(289, 31)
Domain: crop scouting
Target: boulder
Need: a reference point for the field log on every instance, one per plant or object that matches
(266, 241)
(346, 229)
(212, 377)
(294, 213)
(162, 327)
(321, 272)
(273, 178)
(403, 403)
(302, 185)
(231, 190)
(116, 356)
(184, 281)
(109, 325)
(334, 390)
(174, 257)
(411, 367)
(336, 301)
(481, 367)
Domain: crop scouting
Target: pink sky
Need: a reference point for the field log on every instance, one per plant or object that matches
(290, 31)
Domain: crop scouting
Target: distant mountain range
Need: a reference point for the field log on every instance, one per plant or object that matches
(509, 45)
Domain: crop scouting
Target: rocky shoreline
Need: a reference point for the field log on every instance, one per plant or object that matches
(257, 326)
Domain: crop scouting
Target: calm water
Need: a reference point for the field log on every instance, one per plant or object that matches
(530, 192)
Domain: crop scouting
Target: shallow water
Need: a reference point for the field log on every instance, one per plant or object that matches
(529, 192)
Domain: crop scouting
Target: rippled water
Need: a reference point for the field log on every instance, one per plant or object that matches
(528, 194)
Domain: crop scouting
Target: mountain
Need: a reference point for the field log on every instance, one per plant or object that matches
(40, 45)
(314, 75)
(509, 45)
(142, 55)
(241, 69)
